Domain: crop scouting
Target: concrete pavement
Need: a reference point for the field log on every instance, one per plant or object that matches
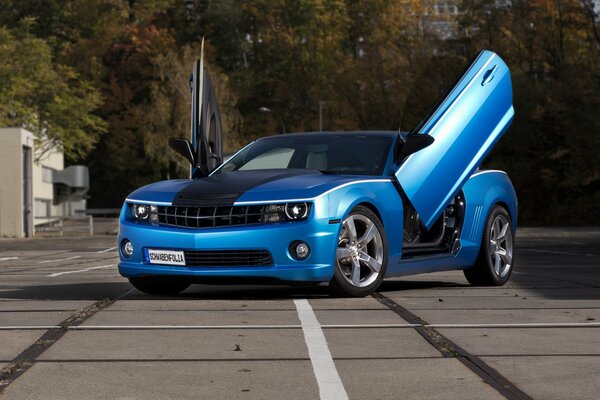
(71, 327)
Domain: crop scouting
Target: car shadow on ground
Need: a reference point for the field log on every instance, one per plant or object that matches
(241, 292)
(404, 285)
(282, 292)
(73, 291)
(102, 290)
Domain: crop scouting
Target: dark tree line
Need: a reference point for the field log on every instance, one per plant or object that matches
(113, 75)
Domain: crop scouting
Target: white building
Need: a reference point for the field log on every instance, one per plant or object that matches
(35, 192)
(443, 16)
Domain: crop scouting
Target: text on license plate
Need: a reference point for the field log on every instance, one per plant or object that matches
(168, 257)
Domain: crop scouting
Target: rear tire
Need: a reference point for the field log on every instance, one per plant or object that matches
(496, 257)
(159, 286)
(361, 255)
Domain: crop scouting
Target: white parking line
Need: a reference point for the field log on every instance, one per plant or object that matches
(107, 250)
(8, 258)
(25, 327)
(61, 259)
(157, 327)
(208, 327)
(354, 326)
(329, 381)
(335, 326)
(523, 325)
(79, 270)
(183, 327)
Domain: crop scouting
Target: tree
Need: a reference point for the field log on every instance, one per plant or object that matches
(49, 99)
(550, 152)
(378, 65)
(147, 102)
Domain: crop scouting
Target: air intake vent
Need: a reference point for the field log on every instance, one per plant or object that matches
(221, 258)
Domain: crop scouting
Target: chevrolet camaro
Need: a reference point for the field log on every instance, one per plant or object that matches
(345, 208)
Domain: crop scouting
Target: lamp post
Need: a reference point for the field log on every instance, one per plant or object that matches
(321, 104)
(268, 110)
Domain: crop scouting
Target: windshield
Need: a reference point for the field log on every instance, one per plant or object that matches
(343, 154)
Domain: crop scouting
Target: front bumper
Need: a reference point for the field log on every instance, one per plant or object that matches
(320, 235)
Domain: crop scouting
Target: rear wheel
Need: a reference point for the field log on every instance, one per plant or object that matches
(496, 256)
(361, 255)
(159, 285)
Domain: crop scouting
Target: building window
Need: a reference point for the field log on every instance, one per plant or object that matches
(43, 208)
(47, 174)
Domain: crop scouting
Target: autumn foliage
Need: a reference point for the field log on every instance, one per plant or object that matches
(107, 80)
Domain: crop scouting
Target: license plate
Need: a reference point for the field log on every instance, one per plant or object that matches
(168, 257)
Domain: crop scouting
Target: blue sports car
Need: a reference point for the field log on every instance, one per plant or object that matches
(347, 208)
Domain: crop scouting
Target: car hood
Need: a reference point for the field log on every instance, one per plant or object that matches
(227, 188)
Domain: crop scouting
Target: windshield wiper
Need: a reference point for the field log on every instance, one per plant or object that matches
(331, 171)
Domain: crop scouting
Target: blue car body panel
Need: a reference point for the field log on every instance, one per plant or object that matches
(465, 125)
(483, 190)
(275, 238)
(333, 202)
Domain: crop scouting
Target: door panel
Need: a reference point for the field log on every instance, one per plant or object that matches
(207, 138)
(465, 125)
(211, 125)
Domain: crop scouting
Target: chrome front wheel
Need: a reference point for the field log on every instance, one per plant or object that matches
(361, 253)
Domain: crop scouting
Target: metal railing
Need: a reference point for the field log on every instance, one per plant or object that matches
(89, 212)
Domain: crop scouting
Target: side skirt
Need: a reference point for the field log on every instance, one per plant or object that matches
(447, 242)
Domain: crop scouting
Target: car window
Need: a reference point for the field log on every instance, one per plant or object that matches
(355, 156)
(343, 154)
(271, 159)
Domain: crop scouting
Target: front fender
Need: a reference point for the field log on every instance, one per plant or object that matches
(384, 198)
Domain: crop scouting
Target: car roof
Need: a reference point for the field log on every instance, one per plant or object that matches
(334, 133)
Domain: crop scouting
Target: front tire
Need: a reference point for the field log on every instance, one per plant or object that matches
(496, 257)
(159, 285)
(361, 255)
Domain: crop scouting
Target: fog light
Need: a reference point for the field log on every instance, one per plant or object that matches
(299, 250)
(127, 248)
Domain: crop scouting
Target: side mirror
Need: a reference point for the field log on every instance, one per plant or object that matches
(413, 143)
(184, 148)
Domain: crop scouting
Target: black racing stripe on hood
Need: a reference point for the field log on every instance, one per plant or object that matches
(225, 188)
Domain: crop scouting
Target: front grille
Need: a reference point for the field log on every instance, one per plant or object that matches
(218, 258)
(209, 217)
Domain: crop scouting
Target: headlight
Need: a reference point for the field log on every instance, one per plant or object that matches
(145, 212)
(296, 211)
(286, 212)
(141, 211)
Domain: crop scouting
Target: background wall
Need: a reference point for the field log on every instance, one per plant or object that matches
(12, 141)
